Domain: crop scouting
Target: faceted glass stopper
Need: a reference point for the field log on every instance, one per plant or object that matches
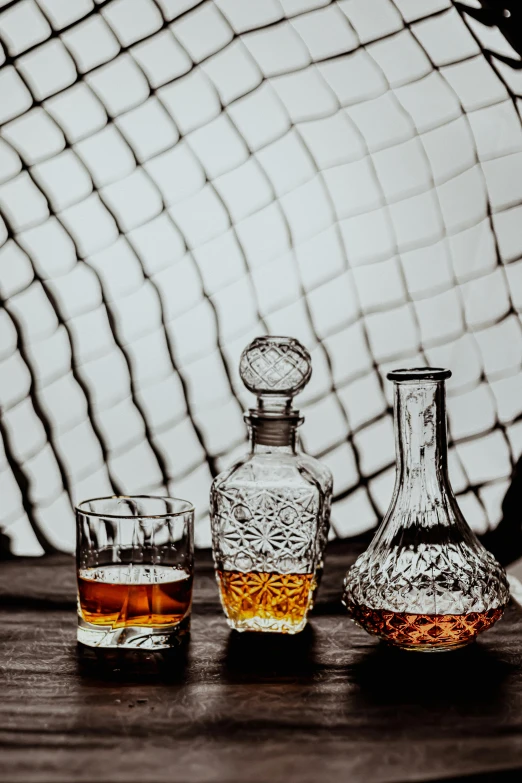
(275, 366)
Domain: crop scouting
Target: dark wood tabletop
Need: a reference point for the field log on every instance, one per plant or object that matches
(330, 704)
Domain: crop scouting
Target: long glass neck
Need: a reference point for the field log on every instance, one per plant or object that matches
(420, 440)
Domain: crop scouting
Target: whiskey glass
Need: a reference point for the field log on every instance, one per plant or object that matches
(425, 583)
(135, 563)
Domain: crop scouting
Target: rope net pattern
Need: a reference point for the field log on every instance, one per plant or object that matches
(178, 176)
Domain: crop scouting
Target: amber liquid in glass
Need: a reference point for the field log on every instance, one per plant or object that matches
(424, 631)
(128, 596)
(257, 600)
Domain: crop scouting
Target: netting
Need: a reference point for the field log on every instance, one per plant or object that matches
(180, 176)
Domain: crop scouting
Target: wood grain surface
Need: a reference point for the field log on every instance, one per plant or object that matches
(330, 704)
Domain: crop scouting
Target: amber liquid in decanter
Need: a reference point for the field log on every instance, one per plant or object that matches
(270, 511)
(424, 631)
(425, 583)
(279, 600)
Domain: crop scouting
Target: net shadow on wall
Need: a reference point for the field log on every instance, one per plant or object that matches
(179, 177)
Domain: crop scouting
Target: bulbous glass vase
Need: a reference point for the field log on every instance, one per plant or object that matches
(425, 582)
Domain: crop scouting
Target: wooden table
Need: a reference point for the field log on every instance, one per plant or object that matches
(330, 704)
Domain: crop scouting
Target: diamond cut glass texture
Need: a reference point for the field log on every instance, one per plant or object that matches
(425, 582)
(270, 511)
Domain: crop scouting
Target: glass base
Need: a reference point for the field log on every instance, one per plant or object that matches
(132, 636)
(264, 625)
(429, 648)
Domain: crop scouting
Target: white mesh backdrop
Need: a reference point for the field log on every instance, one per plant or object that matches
(180, 176)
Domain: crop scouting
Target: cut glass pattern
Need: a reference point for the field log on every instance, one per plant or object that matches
(424, 562)
(266, 526)
(281, 367)
(433, 579)
(270, 512)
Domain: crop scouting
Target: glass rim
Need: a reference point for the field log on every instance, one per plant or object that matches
(190, 510)
(419, 374)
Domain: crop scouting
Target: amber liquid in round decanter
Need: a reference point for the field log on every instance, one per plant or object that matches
(424, 631)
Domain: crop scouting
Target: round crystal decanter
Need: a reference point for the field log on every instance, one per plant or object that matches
(270, 511)
(425, 582)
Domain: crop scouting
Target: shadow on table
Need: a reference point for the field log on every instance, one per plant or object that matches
(267, 657)
(495, 776)
(470, 678)
(118, 665)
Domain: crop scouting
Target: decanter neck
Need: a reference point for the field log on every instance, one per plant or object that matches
(420, 439)
(269, 434)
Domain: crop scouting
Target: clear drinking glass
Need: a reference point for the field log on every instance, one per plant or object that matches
(425, 582)
(135, 563)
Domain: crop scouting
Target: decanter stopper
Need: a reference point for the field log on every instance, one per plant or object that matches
(275, 369)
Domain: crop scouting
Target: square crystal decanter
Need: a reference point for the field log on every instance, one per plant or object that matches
(270, 511)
